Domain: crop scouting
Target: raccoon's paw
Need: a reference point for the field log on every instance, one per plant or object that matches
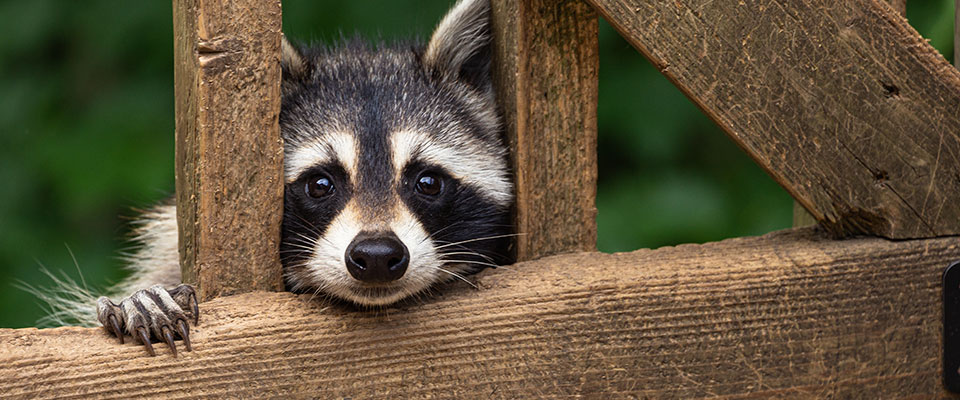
(154, 313)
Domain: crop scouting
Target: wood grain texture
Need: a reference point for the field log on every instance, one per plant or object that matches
(546, 62)
(802, 217)
(787, 315)
(841, 101)
(899, 5)
(229, 152)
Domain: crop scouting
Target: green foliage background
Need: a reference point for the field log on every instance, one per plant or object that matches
(86, 135)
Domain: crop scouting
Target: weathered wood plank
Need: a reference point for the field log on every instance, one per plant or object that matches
(546, 62)
(787, 315)
(842, 102)
(899, 5)
(229, 152)
(801, 217)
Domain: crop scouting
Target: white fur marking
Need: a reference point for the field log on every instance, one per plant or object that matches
(421, 272)
(327, 265)
(330, 147)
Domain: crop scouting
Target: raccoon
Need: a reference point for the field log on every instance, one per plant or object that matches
(396, 179)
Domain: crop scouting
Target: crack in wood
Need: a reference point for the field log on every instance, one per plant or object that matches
(211, 52)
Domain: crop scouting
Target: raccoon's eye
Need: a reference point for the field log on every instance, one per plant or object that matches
(319, 186)
(429, 184)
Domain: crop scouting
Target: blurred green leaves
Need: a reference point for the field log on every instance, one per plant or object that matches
(87, 121)
(86, 134)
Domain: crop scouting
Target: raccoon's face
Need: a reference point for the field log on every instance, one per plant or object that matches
(396, 175)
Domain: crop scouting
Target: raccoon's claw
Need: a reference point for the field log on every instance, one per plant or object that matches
(114, 327)
(168, 337)
(152, 314)
(145, 339)
(111, 316)
(184, 330)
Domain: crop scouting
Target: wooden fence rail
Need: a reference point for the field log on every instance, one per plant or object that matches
(787, 315)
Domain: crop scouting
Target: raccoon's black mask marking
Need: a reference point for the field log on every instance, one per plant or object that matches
(371, 119)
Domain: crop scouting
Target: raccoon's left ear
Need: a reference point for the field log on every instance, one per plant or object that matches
(460, 46)
(291, 60)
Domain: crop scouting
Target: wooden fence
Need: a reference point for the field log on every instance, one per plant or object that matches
(841, 101)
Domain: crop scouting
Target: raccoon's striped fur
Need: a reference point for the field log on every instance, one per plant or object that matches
(396, 176)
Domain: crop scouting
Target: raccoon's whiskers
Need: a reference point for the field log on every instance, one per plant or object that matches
(308, 225)
(303, 223)
(492, 263)
(299, 245)
(295, 250)
(433, 236)
(470, 262)
(467, 251)
(316, 292)
(288, 255)
(308, 240)
(477, 240)
(463, 253)
(458, 276)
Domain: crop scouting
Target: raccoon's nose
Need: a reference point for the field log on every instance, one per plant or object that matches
(377, 259)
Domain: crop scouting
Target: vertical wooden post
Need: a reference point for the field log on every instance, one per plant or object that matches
(545, 58)
(802, 217)
(229, 153)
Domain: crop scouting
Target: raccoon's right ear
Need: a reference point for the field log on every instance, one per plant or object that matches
(460, 46)
(292, 62)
